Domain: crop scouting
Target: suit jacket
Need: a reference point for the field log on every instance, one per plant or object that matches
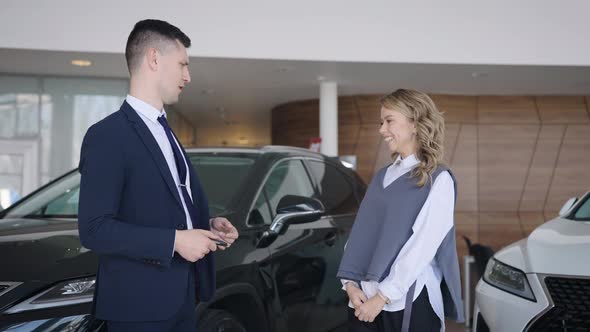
(129, 211)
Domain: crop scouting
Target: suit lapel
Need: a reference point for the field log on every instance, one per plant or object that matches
(150, 143)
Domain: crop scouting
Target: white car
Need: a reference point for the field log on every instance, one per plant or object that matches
(540, 283)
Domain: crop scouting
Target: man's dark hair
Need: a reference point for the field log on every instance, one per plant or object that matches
(151, 33)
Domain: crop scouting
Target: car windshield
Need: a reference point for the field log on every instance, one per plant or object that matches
(583, 211)
(220, 175)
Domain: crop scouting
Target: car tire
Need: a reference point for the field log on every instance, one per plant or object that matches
(216, 320)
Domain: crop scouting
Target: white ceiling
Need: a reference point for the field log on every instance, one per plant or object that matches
(507, 32)
(247, 88)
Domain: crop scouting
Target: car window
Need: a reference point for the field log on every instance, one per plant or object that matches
(57, 200)
(287, 178)
(335, 188)
(261, 213)
(65, 205)
(220, 175)
(583, 212)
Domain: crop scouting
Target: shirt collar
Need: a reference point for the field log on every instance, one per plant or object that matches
(146, 110)
(409, 161)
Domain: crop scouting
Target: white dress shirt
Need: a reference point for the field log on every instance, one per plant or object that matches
(149, 115)
(415, 261)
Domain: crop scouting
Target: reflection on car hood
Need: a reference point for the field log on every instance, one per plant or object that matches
(42, 249)
(560, 246)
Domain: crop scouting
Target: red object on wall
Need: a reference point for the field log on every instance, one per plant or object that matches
(315, 143)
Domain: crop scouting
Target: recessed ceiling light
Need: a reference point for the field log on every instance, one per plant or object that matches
(82, 63)
(284, 69)
(477, 74)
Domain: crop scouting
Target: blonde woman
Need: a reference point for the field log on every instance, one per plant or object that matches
(400, 267)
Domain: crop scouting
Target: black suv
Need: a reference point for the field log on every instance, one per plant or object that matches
(279, 276)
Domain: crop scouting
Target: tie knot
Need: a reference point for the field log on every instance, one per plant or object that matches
(163, 122)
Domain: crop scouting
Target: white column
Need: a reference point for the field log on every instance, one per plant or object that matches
(329, 118)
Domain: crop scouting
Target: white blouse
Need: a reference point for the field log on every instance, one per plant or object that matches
(415, 261)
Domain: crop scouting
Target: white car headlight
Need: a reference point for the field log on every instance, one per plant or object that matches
(65, 293)
(509, 279)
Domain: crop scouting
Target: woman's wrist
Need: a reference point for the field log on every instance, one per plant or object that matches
(350, 283)
(383, 297)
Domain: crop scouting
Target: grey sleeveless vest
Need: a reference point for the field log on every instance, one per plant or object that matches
(384, 224)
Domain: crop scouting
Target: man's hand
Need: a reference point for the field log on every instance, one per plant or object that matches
(355, 294)
(194, 244)
(370, 309)
(224, 229)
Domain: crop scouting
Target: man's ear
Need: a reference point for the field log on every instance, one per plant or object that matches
(152, 58)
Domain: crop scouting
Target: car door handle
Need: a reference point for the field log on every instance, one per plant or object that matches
(330, 239)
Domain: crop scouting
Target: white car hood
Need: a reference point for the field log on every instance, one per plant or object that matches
(559, 246)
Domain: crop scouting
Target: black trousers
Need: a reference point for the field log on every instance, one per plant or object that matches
(423, 319)
(185, 320)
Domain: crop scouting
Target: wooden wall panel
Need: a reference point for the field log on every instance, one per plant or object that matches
(457, 109)
(465, 169)
(348, 135)
(560, 109)
(451, 137)
(530, 220)
(513, 110)
(491, 224)
(466, 224)
(468, 219)
(571, 174)
(348, 112)
(542, 167)
(505, 152)
(369, 109)
(499, 236)
(295, 124)
(366, 151)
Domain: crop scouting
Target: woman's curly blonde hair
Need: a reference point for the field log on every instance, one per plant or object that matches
(430, 128)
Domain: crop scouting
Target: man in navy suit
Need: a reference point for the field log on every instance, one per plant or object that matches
(142, 208)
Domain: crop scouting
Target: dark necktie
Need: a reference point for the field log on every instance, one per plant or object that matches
(182, 171)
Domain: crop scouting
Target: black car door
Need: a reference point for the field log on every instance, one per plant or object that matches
(338, 192)
(299, 256)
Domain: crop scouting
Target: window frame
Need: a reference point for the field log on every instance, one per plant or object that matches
(260, 189)
(26, 198)
(584, 200)
(351, 181)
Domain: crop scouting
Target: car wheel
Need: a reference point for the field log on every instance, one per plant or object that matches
(219, 321)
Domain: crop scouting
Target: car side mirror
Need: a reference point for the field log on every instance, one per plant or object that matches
(291, 210)
(567, 206)
(294, 209)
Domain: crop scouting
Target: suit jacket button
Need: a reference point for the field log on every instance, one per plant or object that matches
(180, 226)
